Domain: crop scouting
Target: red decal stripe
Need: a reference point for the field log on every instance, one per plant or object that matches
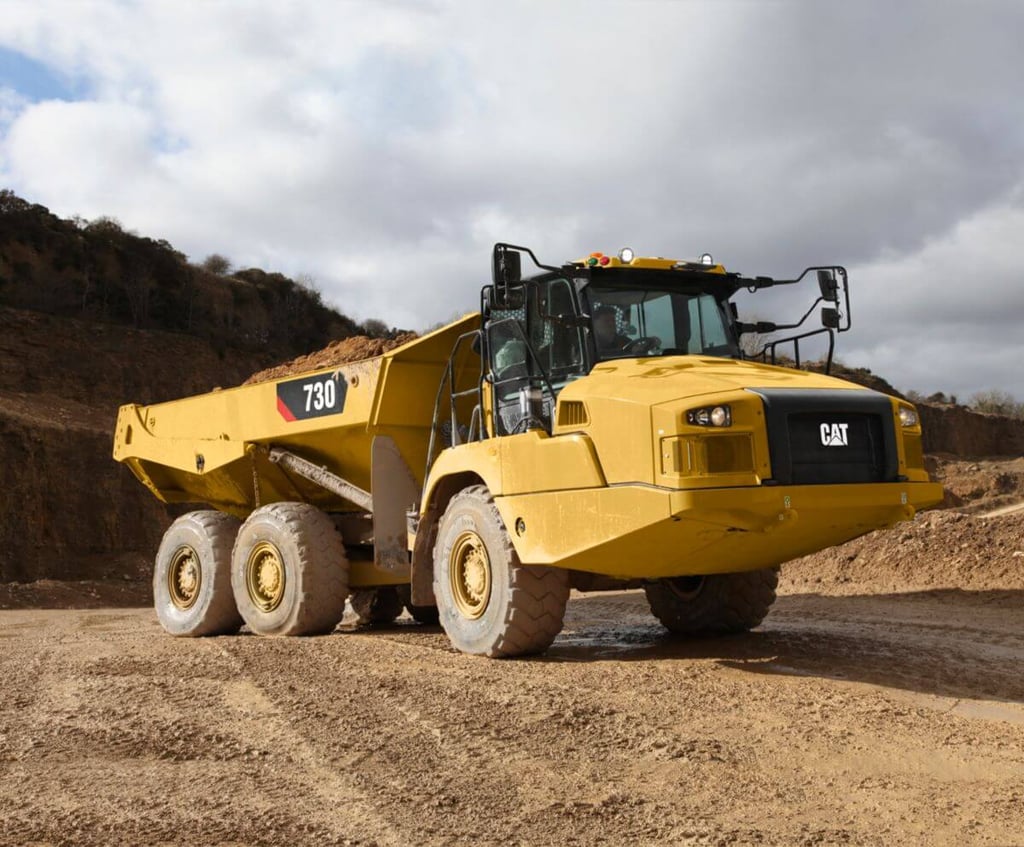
(286, 413)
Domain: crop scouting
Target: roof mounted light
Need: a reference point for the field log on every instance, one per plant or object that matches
(705, 259)
(626, 255)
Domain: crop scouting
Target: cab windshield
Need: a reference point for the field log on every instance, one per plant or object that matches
(630, 322)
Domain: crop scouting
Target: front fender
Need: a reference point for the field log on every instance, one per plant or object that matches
(530, 463)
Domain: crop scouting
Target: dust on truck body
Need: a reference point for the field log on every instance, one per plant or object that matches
(595, 425)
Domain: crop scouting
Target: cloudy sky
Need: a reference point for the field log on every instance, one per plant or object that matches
(382, 147)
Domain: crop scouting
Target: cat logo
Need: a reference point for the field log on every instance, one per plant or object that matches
(834, 435)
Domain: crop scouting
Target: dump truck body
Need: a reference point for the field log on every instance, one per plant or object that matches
(511, 449)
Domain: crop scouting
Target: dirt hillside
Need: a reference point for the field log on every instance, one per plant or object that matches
(941, 549)
(69, 511)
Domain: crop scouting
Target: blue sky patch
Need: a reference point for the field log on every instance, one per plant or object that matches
(31, 79)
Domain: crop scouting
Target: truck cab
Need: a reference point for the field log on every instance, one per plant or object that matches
(543, 332)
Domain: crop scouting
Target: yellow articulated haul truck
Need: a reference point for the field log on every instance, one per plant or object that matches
(595, 425)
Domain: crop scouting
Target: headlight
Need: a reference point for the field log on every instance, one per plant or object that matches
(710, 416)
(908, 416)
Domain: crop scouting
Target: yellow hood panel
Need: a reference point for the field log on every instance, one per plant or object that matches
(655, 380)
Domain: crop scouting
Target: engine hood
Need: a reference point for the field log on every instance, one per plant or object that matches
(626, 405)
(650, 381)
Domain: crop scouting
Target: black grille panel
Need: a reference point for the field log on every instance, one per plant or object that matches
(828, 448)
(829, 437)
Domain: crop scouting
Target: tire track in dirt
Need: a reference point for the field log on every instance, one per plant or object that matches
(455, 746)
(830, 724)
(344, 807)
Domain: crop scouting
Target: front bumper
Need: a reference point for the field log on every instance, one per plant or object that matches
(643, 532)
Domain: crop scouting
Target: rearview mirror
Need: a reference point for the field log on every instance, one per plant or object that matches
(830, 318)
(506, 268)
(828, 286)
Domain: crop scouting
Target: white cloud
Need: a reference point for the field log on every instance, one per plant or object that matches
(949, 317)
(382, 147)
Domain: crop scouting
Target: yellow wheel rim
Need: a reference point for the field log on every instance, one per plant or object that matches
(264, 576)
(470, 575)
(184, 578)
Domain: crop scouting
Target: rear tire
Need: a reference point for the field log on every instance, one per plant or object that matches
(192, 576)
(376, 606)
(716, 604)
(489, 602)
(289, 572)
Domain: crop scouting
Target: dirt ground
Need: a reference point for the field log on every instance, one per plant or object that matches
(881, 702)
(884, 719)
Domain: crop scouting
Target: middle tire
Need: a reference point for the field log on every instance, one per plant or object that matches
(289, 573)
(490, 603)
(376, 606)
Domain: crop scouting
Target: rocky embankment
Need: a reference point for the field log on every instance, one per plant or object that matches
(70, 512)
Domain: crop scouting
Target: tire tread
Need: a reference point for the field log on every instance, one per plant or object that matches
(727, 603)
(537, 594)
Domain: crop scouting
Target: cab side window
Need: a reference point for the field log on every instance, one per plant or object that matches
(553, 332)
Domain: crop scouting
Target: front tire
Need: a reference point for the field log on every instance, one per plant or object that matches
(490, 603)
(716, 604)
(289, 572)
(192, 576)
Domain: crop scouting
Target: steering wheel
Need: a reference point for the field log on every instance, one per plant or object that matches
(643, 345)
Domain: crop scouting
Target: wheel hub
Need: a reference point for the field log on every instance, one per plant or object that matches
(264, 576)
(184, 578)
(470, 575)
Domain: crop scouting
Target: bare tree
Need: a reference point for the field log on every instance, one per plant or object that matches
(215, 263)
(375, 328)
(998, 403)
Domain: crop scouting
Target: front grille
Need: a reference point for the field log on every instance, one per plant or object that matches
(819, 454)
(828, 437)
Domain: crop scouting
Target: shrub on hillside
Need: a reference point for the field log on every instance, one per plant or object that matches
(98, 270)
(215, 263)
(997, 403)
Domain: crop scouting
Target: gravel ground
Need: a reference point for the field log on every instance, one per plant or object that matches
(885, 719)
